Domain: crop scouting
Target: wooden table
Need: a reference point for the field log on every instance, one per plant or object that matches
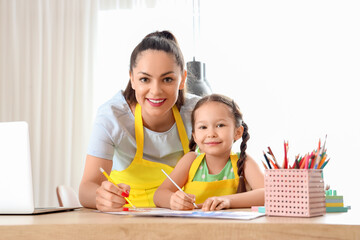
(87, 224)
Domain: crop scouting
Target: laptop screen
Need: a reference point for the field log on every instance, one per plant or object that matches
(16, 175)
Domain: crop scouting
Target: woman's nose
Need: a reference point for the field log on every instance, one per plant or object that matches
(156, 87)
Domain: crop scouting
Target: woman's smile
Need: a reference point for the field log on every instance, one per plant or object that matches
(156, 102)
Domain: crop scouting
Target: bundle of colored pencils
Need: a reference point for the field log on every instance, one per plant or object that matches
(314, 160)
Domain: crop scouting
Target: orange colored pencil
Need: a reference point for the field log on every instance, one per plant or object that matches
(303, 161)
(264, 165)
(321, 161)
(275, 167)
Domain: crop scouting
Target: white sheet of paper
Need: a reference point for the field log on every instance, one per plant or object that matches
(163, 212)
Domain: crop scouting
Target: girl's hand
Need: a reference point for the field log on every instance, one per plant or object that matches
(109, 198)
(182, 201)
(215, 203)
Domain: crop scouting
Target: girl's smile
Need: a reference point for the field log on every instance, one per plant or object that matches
(212, 143)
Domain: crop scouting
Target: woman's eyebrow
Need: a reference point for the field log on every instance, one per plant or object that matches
(144, 73)
(147, 74)
(164, 74)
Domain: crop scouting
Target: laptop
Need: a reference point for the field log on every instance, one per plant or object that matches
(16, 185)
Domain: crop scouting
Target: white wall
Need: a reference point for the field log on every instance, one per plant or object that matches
(292, 66)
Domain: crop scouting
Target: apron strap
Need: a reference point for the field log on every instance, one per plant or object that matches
(194, 166)
(181, 129)
(234, 158)
(139, 133)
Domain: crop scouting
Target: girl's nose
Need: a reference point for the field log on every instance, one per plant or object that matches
(211, 133)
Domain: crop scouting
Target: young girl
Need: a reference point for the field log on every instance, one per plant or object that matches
(214, 177)
(140, 130)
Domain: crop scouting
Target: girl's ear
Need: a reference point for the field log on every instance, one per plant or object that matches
(238, 133)
(183, 78)
(194, 137)
(197, 149)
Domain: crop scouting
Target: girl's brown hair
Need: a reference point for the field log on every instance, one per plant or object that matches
(238, 118)
(161, 41)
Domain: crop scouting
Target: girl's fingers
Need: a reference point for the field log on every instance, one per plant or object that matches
(187, 200)
(215, 203)
(220, 206)
(192, 197)
(210, 204)
(181, 201)
(205, 205)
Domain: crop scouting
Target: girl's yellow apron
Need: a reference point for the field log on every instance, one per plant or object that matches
(204, 190)
(144, 176)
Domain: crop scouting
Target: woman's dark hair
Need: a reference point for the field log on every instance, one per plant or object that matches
(161, 41)
(238, 118)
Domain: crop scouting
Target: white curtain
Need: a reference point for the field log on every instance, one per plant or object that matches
(46, 62)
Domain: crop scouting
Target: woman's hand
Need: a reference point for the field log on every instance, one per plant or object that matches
(216, 203)
(109, 198)
(182, 201)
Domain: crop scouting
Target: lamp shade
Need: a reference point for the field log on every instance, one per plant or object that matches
(196, 79)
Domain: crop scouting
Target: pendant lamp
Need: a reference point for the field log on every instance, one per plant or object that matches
(196, 77)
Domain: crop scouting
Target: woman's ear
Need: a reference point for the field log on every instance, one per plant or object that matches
(183, 79)
(238, 133)
(131, 80)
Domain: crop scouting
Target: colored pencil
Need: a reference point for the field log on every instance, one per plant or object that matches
(317, 159)
(176, 185)
(113, 182)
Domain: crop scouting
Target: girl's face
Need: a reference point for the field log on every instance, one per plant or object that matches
(156, 79)
(214, 128)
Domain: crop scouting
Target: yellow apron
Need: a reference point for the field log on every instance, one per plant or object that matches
(144, 176)
(204, 190)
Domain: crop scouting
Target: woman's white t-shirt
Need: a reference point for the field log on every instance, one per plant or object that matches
(113, 135)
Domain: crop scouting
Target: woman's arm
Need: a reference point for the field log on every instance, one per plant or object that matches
(167, 195)
(255, 197)
(95, 191)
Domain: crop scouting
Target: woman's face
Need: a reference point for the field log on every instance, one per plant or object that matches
(156, 79)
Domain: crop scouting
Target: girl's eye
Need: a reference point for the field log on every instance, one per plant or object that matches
(220, 125)
(202, 127)
(144, 80)
(168, 80)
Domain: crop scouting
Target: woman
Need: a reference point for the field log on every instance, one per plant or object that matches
(141, 130)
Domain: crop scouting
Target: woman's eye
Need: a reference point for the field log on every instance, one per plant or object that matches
(168, 80)
(144, 80)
